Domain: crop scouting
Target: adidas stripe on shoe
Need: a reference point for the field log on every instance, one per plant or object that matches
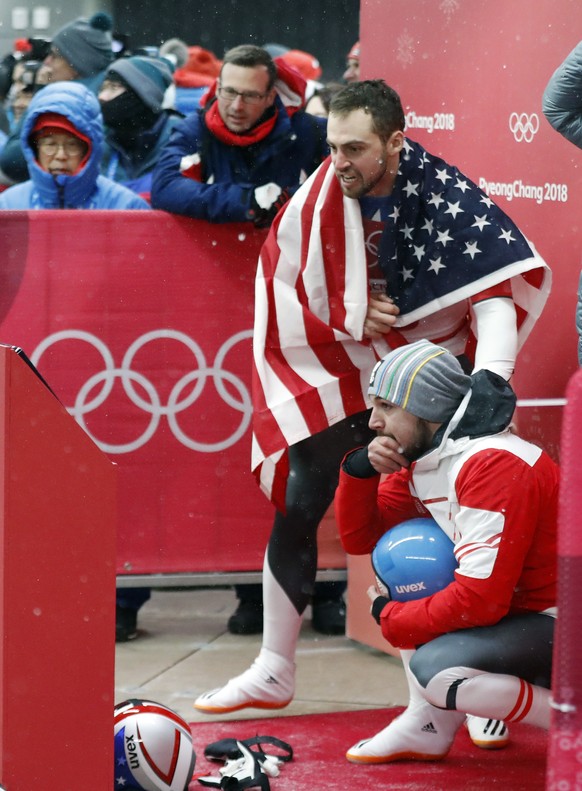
(486, 733)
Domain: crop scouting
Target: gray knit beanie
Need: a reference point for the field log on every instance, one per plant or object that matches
(424, 379)
(86, 44)
(148, 77)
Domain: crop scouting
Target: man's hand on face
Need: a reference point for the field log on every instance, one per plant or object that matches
(380, 317)
(386, 456)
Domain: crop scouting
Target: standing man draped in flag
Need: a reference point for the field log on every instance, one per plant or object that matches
(383, 245)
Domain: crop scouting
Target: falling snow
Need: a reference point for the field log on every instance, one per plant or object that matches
(405, 49)
(448, 7)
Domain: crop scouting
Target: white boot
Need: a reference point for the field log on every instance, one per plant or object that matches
(421, 733)
(268, 684)
(270, 681)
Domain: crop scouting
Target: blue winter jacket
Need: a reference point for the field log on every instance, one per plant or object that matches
(84, 190)
(293, 150)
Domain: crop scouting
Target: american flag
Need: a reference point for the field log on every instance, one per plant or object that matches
(444, 242)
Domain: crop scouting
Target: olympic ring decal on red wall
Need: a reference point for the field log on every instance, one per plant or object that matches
(524, 127)
(176, 402)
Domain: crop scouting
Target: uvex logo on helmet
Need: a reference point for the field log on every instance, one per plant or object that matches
(413, 587)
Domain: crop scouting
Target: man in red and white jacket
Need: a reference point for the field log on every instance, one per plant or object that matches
(483, 644)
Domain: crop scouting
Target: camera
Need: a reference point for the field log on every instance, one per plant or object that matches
(29, 76)
(40, 48)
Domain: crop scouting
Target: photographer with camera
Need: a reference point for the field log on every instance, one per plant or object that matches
(29, 76)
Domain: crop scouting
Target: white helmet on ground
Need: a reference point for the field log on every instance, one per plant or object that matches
(153, 747)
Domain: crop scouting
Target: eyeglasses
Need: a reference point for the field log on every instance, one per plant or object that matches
(71, 148)
(248, 97)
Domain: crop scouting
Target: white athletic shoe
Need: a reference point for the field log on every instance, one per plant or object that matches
(269, 683)
(487, 734)
(421, 733)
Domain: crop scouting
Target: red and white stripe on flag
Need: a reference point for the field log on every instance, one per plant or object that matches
(311, 366)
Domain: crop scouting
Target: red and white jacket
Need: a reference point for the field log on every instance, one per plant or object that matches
(496, 497)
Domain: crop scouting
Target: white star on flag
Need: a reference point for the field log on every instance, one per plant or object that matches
(444, 236)
(410, 189)
(454, 209)
(436, 199)
(395, 213)
(418, 251)
(507, 237)
(462, 185)
(436, 264)
(428, 226)
(471, 249)
(487, 201)
(407, 231)
(406, 274)
(480, 222)
(442, 175)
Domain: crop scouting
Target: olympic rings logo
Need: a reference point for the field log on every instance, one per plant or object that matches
(524, 127)
(195, 380)
(372, 242)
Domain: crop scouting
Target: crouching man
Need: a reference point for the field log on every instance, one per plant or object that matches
(483, 645)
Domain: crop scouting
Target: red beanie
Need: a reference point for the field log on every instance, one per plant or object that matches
(354, 53)
(306, 64)
(201, 69)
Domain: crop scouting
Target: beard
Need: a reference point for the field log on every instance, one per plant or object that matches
(420, 443)
(364, 186)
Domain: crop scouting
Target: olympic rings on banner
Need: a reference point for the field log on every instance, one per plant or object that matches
(524, 127)
(151, 404)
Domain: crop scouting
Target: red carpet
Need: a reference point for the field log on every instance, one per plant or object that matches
(320, 741)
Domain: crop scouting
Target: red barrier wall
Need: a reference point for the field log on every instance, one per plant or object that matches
(141, 323)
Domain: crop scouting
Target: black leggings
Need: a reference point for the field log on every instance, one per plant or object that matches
(519, 645)
(313, 476)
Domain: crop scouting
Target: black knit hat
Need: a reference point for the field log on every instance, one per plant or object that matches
(86, 44)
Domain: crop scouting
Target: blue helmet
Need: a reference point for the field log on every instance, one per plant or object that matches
(414, 559)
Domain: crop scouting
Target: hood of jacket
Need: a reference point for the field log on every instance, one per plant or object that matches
(487, 409)
(77, 103)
